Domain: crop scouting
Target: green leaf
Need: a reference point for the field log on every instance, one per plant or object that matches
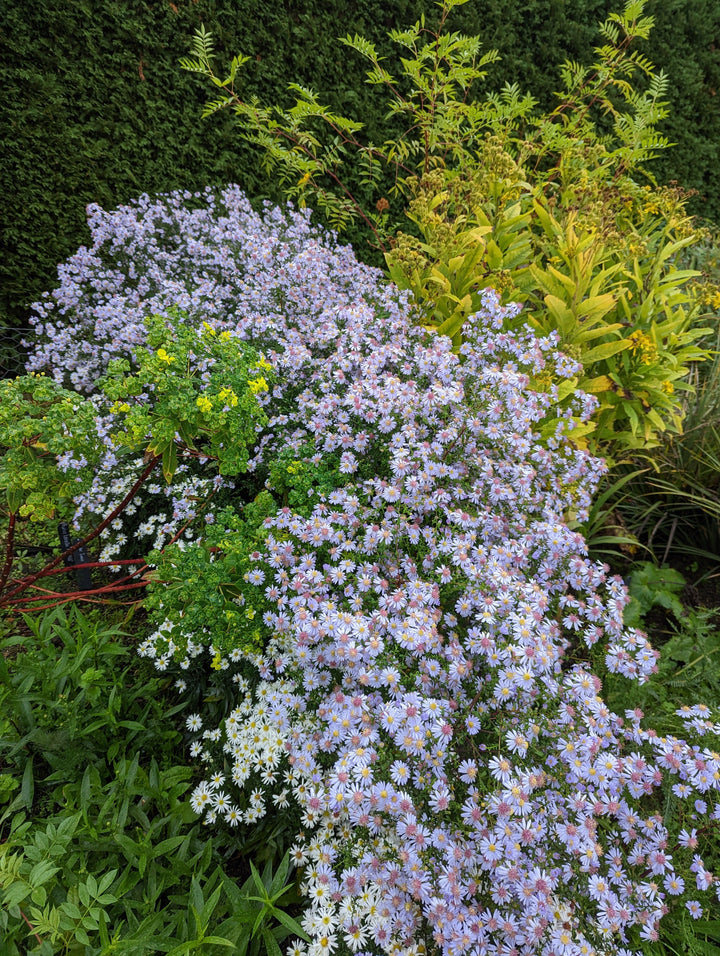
(89, 921)
(271, 944)
(27, 790)
(102, 929)
(85, 790)
(196, 895)
(261, 888)
(39, 895)
(280, 874)
(183, 948)
(604, 351)
(259, 919)
(565, 388)
(282, 917)
(106, 880)
(169, 462)
(597, 385)
(71, 909)
(209, 907)
(452, 324)
(15, 894)
(15, 498)
(564, 319)
(166, 846)
(595, 307)
(494, 256)
(42, 872)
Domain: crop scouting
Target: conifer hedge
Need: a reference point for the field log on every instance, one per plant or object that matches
(96, 109)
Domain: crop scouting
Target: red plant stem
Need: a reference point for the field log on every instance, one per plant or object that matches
(106, 588)
(126, 583)
(55, 598)
(9, 551)
(28, 604)
(31, 927)
(93, 534)
(92, 564)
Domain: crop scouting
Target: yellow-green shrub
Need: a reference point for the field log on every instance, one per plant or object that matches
(594, 261)
(545, 208)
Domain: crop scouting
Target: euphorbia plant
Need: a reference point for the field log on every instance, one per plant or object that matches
(194, 397)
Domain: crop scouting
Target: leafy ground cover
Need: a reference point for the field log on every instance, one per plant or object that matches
(415, 712)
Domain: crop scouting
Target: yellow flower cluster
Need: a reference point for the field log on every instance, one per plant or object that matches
(209, 330)
(644, 345)
(204, 403)
(164, 357)
(258, 385)
(711, 297)
(228, 397)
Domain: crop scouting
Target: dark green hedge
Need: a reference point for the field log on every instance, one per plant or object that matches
(96, 109)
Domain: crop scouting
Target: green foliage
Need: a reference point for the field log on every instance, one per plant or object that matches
(203, 587)
(595, 264)
(674, 508)
(99, 851)
(544, 208)
(562, 226)
(609, 87)
(203, 396)
(40, 421)
(685, 936)
(687, 671)
(606, 536)
(309, 147)
(688, 668)
(651, 586)
(257, 905)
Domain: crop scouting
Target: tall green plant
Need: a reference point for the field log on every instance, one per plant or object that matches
(673, 507)
(546, 208)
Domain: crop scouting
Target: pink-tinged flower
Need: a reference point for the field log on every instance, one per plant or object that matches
(688, 839)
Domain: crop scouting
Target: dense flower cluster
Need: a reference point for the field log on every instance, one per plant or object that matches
(271, 278)
(426, 686)
(423, 695)
(208, 254)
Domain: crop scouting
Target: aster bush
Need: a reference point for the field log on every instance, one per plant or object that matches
(208, 254)
(414, 638)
